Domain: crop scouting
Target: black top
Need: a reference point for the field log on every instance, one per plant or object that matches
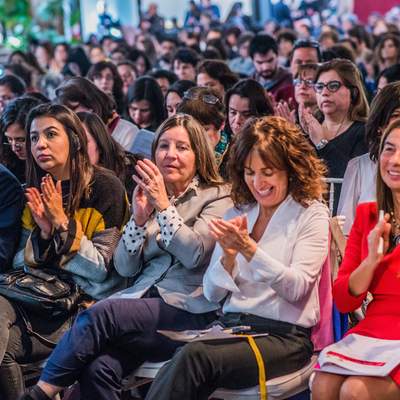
(340, 150)
(11, 205)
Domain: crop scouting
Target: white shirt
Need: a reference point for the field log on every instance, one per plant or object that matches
(359, 186)
(281, 280)
(124, 133)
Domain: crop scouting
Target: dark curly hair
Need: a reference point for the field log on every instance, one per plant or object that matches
(282, 146)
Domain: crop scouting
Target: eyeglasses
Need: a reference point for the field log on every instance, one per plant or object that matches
(308, 82)
(206, 98)
(332, 86)
(17, 142)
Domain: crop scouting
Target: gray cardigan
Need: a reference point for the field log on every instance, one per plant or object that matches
(177, 270)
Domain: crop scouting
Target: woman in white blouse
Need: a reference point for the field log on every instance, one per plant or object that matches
(265, 268)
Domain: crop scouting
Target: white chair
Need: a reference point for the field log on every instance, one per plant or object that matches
(278, 388)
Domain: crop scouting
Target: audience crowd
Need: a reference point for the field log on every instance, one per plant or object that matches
(189, 178)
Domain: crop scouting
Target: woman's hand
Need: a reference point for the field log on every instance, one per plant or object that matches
(311, 125)
(141, 207)
(233, 237)
(52, 200)
(36, 206)
(282, 109)
(152, 183)
(382, 230)
(361, 278)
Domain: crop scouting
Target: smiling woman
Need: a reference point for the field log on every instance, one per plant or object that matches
(265, 268)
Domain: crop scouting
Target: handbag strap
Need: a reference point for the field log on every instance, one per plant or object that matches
(31, 332)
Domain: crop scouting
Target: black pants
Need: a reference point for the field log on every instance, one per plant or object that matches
(199, 368)
(111, 339)
(18, 347)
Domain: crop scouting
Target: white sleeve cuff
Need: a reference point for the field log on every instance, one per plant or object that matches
(169, 221)
(133, 236)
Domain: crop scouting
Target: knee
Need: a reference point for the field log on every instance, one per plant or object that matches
(322, 385)
(103, 369)
(191, 353)
(353, 388)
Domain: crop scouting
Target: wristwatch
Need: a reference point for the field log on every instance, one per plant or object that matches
(321, 144)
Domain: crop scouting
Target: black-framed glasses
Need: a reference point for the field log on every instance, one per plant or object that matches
(206, 98)
(332, 86)
(307, 82)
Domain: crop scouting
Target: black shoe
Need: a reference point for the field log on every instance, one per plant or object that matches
(34, 393)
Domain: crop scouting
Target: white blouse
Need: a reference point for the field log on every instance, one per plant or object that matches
(359, 186)
(281, 280)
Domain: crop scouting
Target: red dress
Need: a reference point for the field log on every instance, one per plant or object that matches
(382, 318)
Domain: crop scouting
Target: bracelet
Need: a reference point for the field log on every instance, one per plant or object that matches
(321, 144)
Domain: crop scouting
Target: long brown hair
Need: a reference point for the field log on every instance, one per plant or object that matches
(384, 195)
(283, 146)
(206, 166)
(80, 169)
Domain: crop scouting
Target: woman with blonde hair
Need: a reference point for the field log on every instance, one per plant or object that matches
(265, 268)
(166, 248)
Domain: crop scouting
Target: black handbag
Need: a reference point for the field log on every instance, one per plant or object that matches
(44, 291)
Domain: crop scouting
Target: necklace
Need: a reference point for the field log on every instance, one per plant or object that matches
(338, 129)
(395, 229)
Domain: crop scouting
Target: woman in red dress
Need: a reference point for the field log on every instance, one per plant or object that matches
(371, 264)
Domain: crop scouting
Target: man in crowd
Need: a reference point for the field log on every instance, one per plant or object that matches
(275, 79)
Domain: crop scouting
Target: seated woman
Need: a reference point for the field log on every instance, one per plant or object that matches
(105, 76)
(13, 135)
(304, 95)
(73, 224)
(80, 94)
(216, 74)
(166, 248)
(343, 103)
(371, 264)
(359, 181)
(146, 103)
(244, 100)
(175, 95)
(103, 150)
(207, 107)
(265, 268)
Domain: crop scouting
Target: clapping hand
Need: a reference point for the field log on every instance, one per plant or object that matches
(152, 184)
(141, 207)
(282, 109)
(36, 206)
(382, 230)
(311, 125)
(53, 202)
(233, 237)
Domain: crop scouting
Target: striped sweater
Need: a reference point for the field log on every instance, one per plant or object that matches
(87, 247)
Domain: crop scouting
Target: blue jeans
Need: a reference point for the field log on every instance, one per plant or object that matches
(111, 339)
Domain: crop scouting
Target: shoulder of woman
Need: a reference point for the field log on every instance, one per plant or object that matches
(105, 181)
(217, 191)
(317, 207)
